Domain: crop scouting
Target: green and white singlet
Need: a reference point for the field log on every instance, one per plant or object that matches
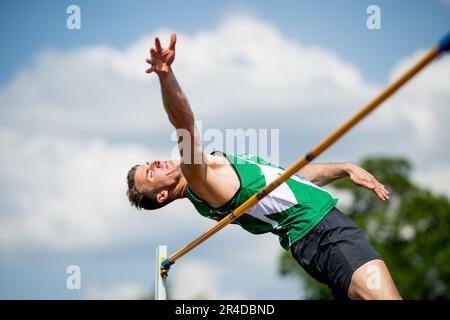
(290, 211)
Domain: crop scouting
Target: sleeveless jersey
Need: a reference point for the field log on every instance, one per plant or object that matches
(290, 211)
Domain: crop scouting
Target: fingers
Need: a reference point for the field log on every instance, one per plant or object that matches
(173, 41)
(151, 61)
(153, 52)
(150, 70)
(161, 59)
(158, 45)
(364, 179)
(380, 195)
(381, 191)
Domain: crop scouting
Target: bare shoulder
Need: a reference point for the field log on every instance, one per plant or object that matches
(220, 182)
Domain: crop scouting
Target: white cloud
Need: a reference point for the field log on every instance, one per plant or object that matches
(96, 90)
(436, 178)
(104, 90)
(67, 194)
(196, 279)
(420, 108)
(244, 262)
(244, 67)
(251, 69)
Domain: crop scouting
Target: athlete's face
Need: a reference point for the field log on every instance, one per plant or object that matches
(157, 177)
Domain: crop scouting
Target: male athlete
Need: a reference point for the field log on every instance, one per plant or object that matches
(322, 239)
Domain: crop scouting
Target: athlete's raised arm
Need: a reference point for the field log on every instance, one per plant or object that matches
(176, 104)
(195, 166)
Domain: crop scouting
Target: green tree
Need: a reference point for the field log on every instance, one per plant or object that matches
(411, 231)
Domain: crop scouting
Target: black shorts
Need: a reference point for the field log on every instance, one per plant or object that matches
(332, 251)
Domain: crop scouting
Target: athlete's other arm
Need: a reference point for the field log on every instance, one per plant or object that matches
(200, 176)
(324, 173)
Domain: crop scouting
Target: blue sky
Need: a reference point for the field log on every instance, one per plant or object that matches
(77, 110)
(29, 26)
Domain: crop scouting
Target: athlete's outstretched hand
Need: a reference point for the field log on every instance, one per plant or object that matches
(161, 59)
(362, 178)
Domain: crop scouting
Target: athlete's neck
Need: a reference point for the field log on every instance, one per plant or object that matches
(180, 189)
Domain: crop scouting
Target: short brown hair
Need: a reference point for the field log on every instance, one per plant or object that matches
(137, 199)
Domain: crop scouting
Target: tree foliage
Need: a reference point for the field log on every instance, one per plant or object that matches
(410, 231)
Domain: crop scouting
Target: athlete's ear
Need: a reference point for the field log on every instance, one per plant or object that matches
(162, 196)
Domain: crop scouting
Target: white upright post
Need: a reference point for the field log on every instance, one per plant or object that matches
(160, 282)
